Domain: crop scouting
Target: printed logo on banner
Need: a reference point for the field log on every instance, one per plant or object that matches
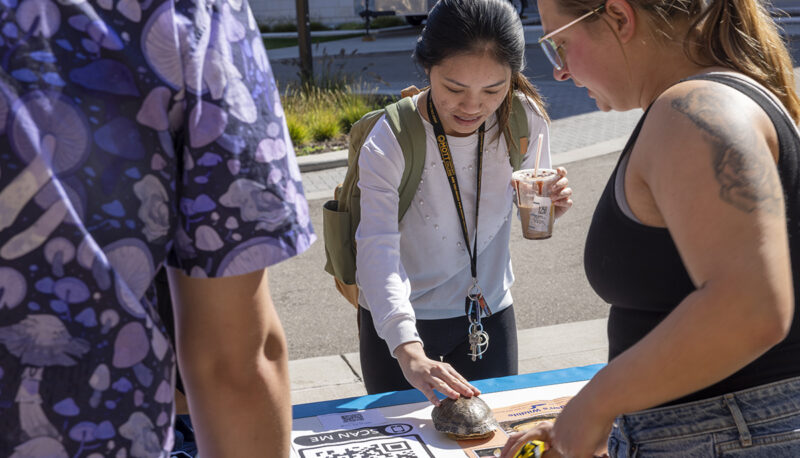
(351, 434)
(351, 420)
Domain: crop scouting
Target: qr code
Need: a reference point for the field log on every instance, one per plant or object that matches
(398, 448)
(352, 418)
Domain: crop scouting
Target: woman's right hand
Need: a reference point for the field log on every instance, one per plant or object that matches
(427, 375)
(541, 432)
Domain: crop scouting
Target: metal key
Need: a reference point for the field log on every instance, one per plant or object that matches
(478, 341)
(474, 340)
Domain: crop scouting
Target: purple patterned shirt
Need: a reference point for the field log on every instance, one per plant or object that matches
(132, 133)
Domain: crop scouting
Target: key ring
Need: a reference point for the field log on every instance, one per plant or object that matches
(480, 344)
(474, 291)
(475, 328)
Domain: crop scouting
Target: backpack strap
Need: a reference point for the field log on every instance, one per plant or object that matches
(520, 133)
(410, 133)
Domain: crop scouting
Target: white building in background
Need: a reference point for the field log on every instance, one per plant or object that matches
(324, 11)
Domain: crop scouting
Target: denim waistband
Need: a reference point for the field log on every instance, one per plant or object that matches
(751, 406)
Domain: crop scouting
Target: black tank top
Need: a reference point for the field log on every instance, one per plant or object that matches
(637, 268)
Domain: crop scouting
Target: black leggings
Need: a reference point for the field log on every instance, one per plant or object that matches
(444, 340)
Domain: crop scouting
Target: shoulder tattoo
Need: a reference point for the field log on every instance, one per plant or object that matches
(747, 177)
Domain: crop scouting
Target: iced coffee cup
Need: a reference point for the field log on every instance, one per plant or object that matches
(533, 199)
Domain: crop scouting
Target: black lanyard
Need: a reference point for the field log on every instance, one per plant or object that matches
(447, 161)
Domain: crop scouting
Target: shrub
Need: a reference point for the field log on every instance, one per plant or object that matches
(351, 108)
(324, 124)
(298, 130)
(318, 114)
(350, 114)
(386, 21)
(285, 27)
(315, 25)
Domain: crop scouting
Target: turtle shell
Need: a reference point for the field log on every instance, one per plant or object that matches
(464, 418)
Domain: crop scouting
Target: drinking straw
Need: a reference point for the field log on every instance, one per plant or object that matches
(538, 155)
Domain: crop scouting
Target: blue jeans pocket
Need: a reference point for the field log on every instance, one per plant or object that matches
(779, 439)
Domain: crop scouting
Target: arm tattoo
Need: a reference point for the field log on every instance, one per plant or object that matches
(748, 178)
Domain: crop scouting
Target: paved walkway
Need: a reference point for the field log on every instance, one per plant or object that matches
(574, 138)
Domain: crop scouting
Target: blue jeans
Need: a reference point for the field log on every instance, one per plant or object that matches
(763, 421)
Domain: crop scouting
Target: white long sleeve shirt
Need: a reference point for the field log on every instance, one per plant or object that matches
(420, 268)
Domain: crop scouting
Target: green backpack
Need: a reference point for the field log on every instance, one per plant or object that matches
(342, 215)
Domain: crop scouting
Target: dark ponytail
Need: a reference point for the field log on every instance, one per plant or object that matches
(465, 26)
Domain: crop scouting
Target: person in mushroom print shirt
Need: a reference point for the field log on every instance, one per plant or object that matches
(134, 134)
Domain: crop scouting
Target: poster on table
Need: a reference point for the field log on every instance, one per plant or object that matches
(406, 430)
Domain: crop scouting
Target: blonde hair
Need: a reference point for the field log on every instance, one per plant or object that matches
(738, 34)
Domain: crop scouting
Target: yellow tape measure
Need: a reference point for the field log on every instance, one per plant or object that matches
(533, 449)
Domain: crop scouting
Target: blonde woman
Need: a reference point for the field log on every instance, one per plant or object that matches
(695, 242)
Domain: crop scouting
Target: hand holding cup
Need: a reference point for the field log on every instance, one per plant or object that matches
(542, 194)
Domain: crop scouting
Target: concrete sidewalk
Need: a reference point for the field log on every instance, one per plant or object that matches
(540, 349)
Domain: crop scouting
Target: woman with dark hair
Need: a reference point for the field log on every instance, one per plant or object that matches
(695, 241)
(414, 274)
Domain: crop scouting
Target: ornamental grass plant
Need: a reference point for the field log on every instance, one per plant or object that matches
(320, 116)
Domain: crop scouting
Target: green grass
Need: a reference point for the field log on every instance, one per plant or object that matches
(318, 114)
(351, 108)
(386, 21)
(324, 124)
(305, 150)
(274, 43)
(350, 26)
(298, 130)
(284, 27)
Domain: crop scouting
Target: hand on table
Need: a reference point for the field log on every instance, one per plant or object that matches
(561, 193)
(540, 432)
(427, 375)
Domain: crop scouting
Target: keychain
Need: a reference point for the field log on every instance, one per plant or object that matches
(475, 306)
(478, 341)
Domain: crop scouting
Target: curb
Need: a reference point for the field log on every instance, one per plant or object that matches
(322, 161)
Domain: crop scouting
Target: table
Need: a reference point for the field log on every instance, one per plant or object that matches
(398, 424)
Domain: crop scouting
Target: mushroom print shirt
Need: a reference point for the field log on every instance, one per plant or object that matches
(133, 133)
